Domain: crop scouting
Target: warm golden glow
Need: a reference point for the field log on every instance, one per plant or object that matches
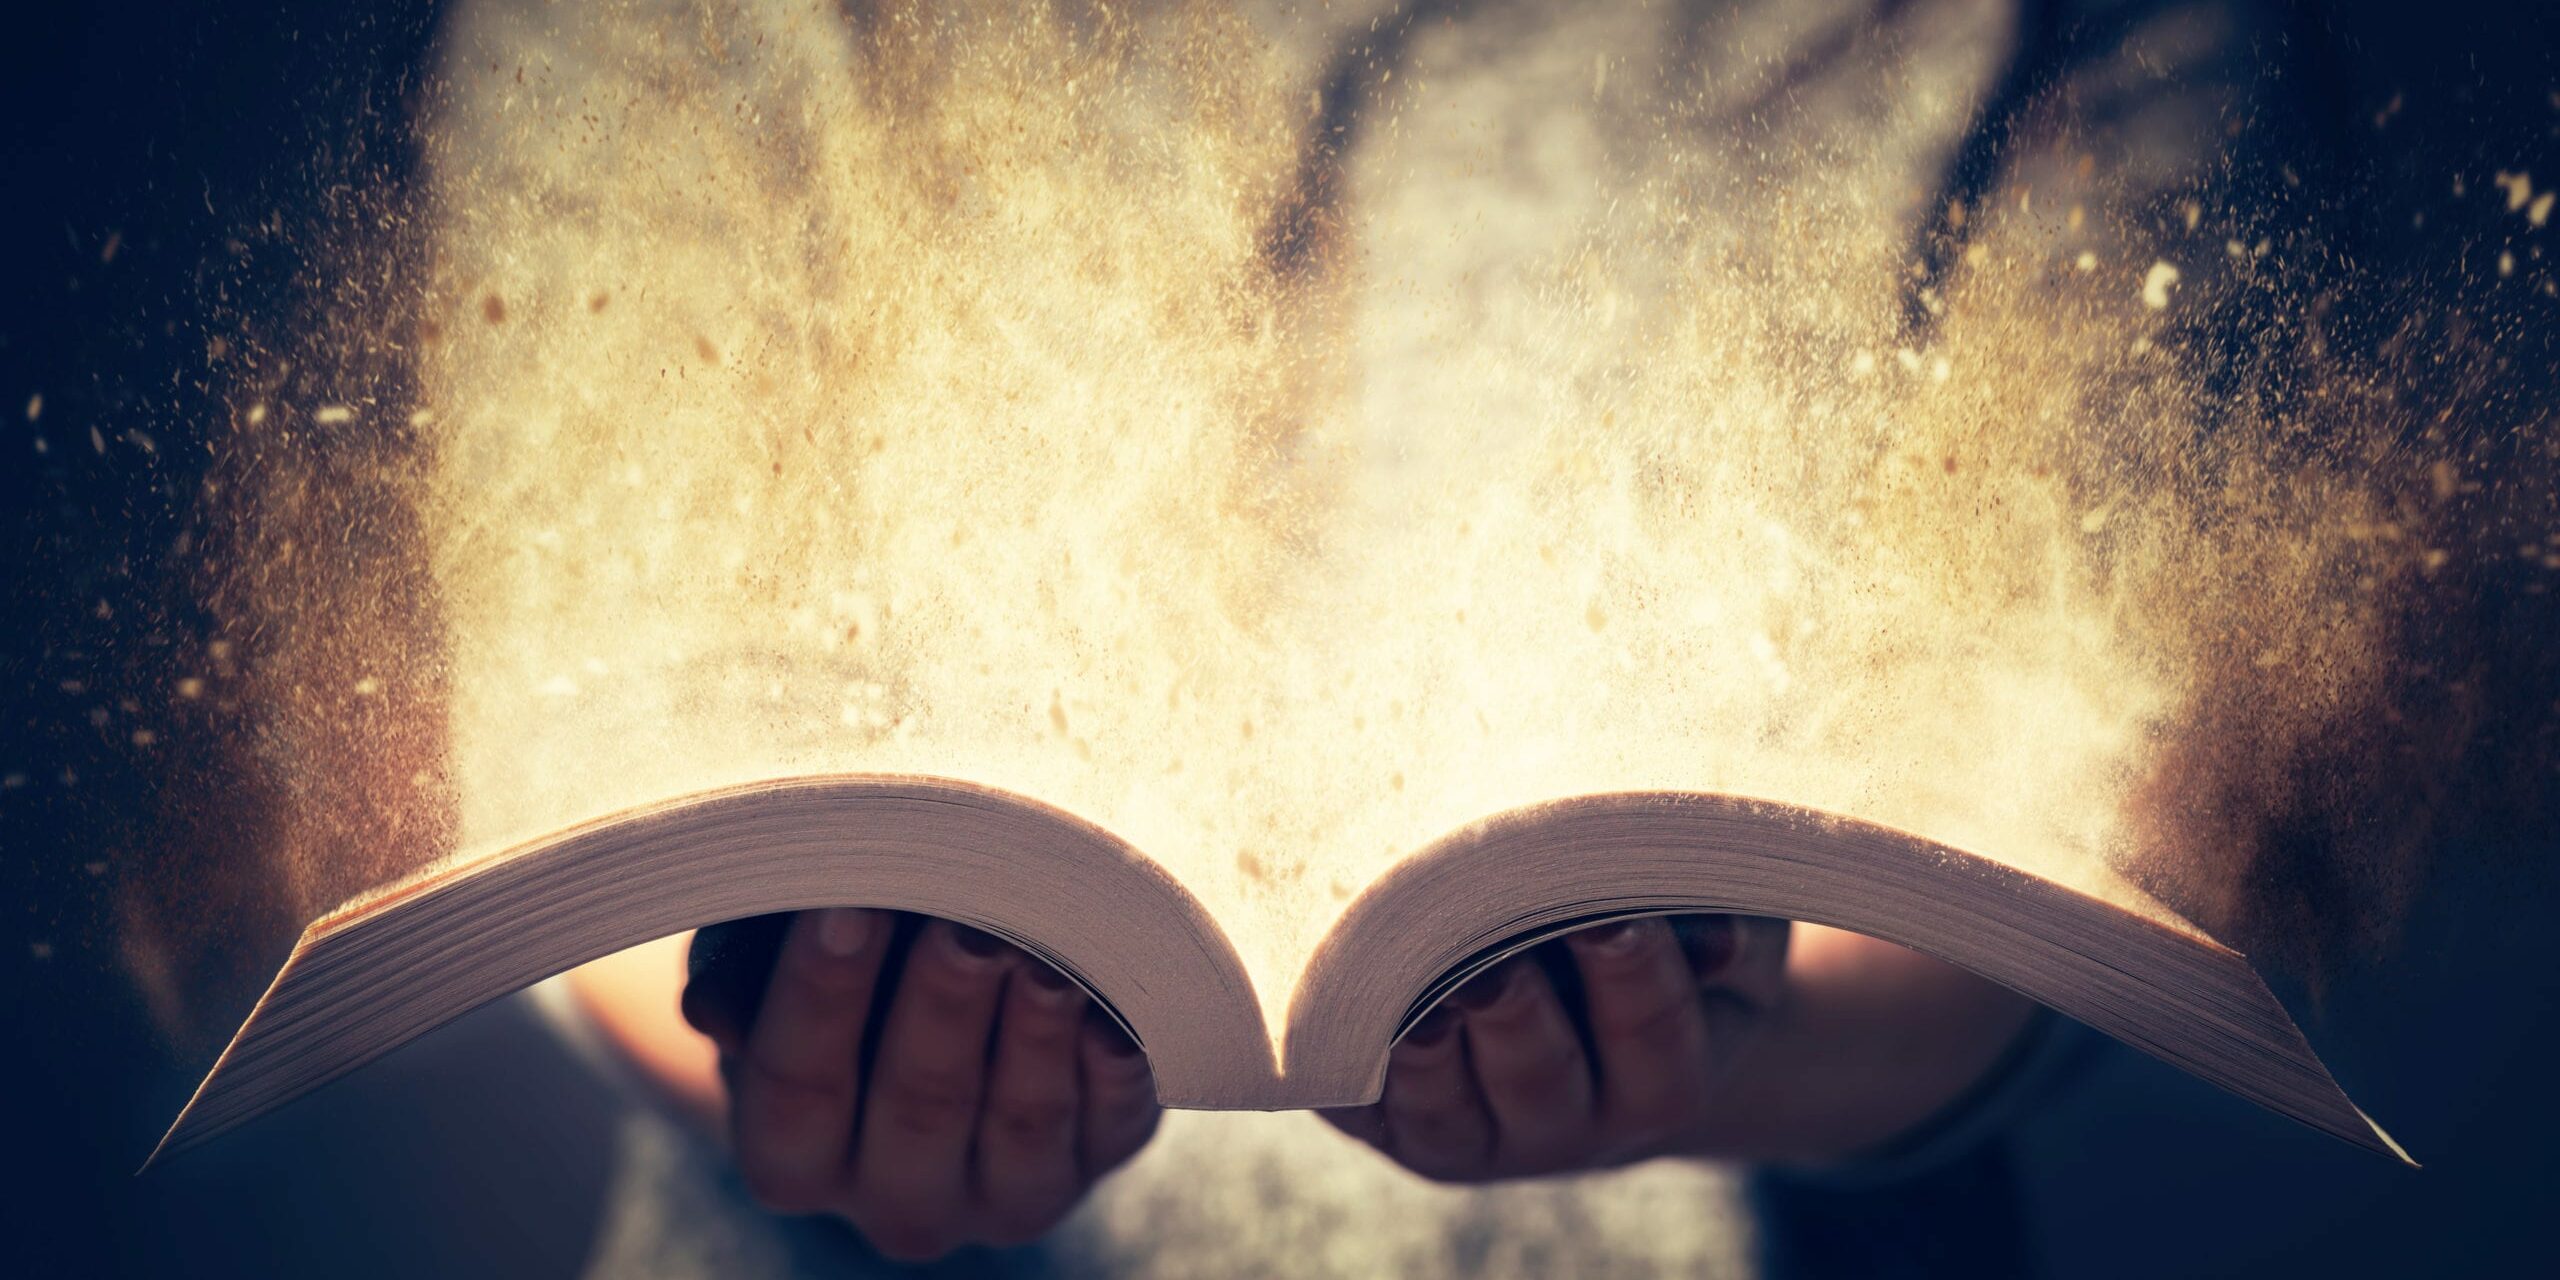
(921, 398)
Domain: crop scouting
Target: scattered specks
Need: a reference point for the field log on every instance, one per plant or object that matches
(2156, 284)
(334, 415)
(2518, 186)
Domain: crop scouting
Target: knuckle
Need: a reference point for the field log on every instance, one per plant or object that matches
(788, 1095)
(925, 1102)
(1031, 1122)
(1658, 1019)
(1537, 1064)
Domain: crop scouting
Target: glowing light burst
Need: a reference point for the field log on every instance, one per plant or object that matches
(920, 396)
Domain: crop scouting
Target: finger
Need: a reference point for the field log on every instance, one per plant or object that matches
(1027, 1166)
(1436, 1122)
(726, 970)
(1529, 1062)
(920, 1109)
(1736, 958)
(1648, 1026)
(1120, 1110)
(795, 1094)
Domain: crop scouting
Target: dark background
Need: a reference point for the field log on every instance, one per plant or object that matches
(193, 137)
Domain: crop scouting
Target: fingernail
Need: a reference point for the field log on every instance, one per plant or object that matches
(1614, 938)
(976, 942)
(1710, 942)
(1433, 1028)
(1482, 991)
(843, 930)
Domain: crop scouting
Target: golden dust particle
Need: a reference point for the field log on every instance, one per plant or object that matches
(2506, 266)
(2075, 218)
(1250, 865)
(1862, 365)
(2193, 213)
(2434, 558)
(97, 442)
(1395, 781)
(422, 417)
(257, 414)
(1594, 617)
(2087, 261)
(2444, 479)
(1247, 730)
(107, 251)
(493, 309)
(1057, 712)
(2156, 284)
(144, 737)
(220, 649)
(703, 348)
(334, 415)
(190, 688)
(421, 778)
(2539, 212)
(1956, 215)
(596, 301)
(2518, 186)
(368, 686)
(2094, 522)
(35, 406)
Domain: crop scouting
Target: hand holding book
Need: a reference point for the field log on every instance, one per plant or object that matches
(935, 1086)
(928, 1082)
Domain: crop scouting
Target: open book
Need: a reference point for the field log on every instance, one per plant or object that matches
(413, 956)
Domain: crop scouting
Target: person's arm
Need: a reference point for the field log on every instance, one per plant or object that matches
(928, 1083)
(1711, 1037)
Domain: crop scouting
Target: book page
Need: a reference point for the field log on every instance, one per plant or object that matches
(996, 395)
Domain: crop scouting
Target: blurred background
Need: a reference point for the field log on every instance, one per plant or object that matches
(161, 158)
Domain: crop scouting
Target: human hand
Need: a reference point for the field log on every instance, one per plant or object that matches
(1596, 1050)
(927, 1082)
